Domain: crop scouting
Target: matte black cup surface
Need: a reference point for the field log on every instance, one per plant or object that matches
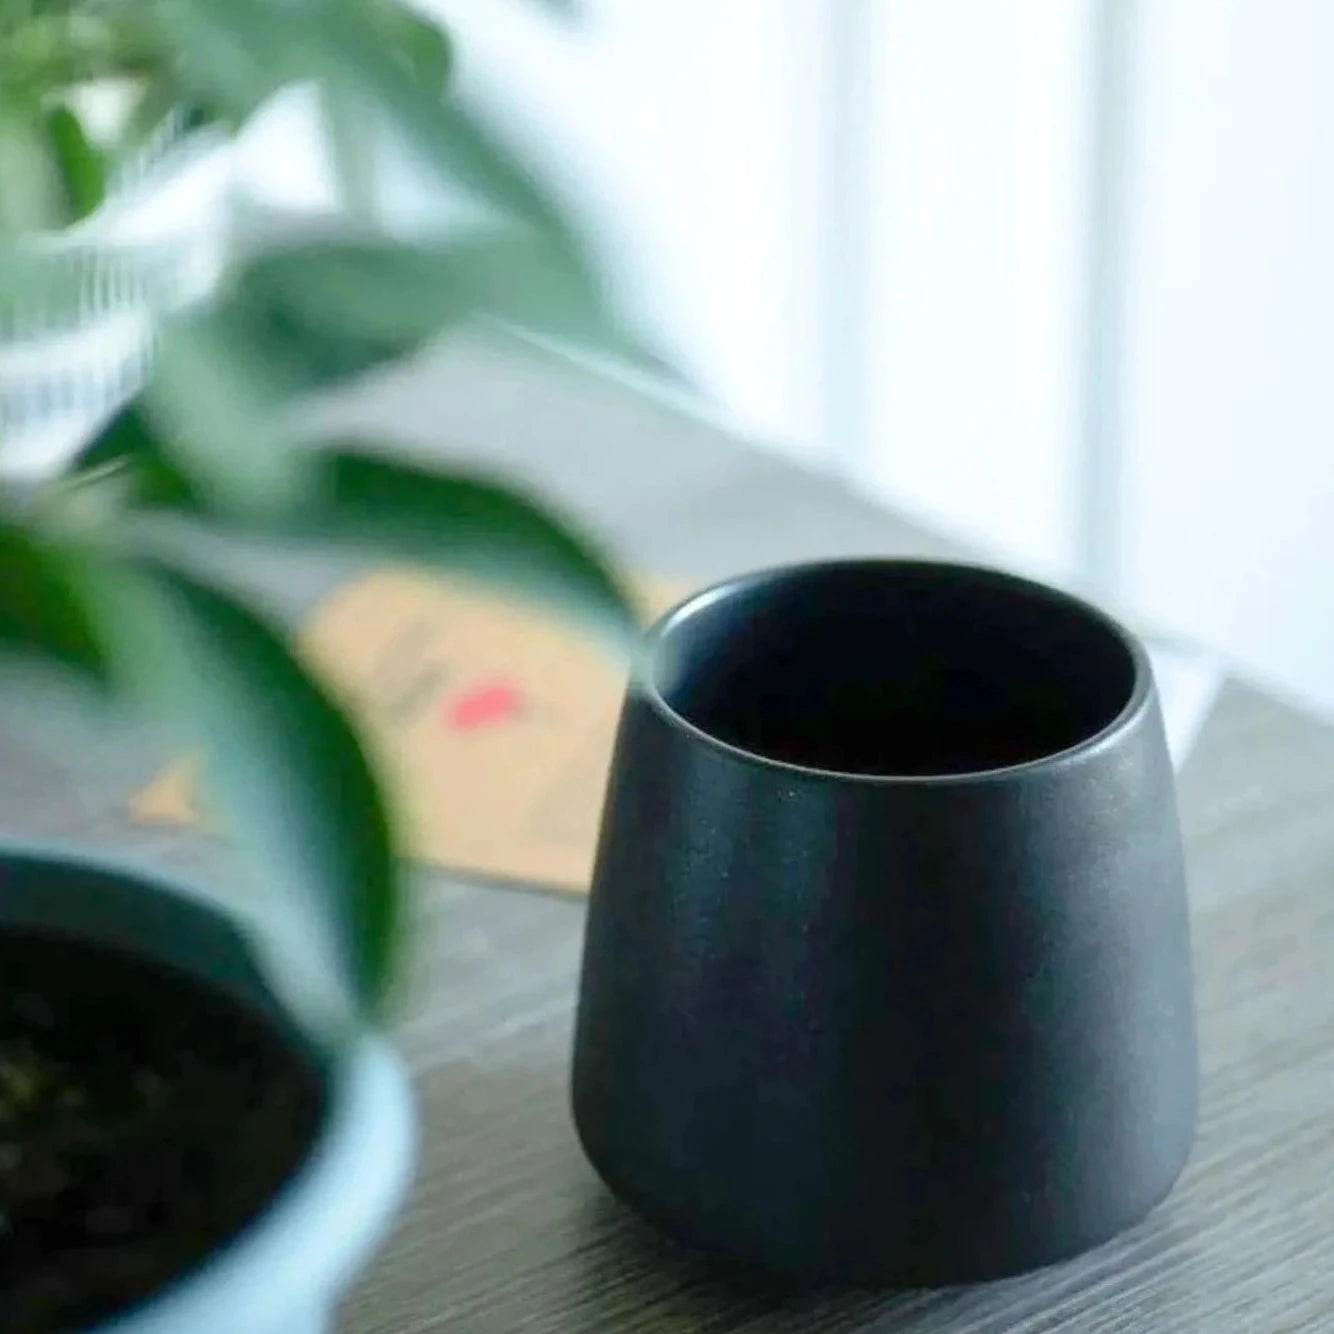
(887, 968)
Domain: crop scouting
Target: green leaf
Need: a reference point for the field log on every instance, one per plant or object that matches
(284, 762)
(378, 294)
(238, 51)
(44, 607)
(129, 446)
(216, 400)
(470, 525)
(50, 45)
(330, 309)
(79, 164)
(231, 54)
(446, 135)
(32, 196)
(351, 128)
(307, 317)
(301, 318)
(298, 357)
(421, 46)
(126, 437)
(452, 522)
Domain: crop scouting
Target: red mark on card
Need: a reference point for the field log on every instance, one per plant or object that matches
(485, 705)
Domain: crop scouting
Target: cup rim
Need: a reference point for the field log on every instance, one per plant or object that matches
(1140, 698)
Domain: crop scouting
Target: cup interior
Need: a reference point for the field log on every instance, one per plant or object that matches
(894, 668)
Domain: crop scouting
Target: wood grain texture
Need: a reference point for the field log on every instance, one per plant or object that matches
(508, 1229)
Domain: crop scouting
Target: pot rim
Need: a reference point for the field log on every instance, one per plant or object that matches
(1140, 698)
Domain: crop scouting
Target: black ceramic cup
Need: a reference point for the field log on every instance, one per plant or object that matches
(887, 970)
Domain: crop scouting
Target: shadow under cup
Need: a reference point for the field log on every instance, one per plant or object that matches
(887, 969)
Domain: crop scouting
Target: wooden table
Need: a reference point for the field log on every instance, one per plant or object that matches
(509, 1230)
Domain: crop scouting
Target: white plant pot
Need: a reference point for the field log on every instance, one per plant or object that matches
(157, 244)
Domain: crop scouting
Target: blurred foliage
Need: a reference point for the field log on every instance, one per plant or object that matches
(50, 46)
(165, 58)
(97, 575)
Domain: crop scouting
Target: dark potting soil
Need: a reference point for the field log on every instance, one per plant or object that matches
(143, 1120)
